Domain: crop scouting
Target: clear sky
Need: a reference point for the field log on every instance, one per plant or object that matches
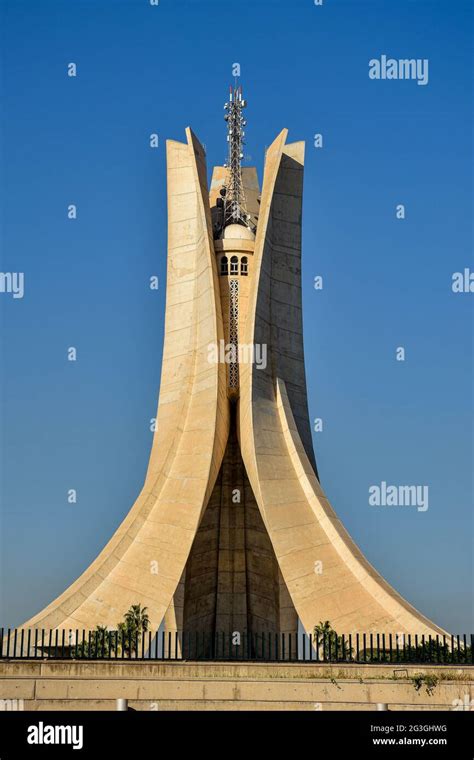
(141, 69)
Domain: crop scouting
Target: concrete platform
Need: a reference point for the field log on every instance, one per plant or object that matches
(43, 685)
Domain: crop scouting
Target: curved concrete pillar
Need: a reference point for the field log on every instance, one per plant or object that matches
(327, 576)
(145, 558)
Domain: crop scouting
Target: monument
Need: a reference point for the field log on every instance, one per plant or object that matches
(232, 530)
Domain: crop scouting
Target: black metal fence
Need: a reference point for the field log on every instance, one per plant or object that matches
(329, 647)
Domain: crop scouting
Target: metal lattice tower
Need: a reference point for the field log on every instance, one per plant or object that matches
(235, 211)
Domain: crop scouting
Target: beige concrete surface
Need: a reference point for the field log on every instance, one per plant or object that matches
(230, 686)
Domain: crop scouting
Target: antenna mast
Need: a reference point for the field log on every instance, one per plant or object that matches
(235, 211)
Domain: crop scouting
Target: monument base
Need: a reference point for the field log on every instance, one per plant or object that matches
(38, 686)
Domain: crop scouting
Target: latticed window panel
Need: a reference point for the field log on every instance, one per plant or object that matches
(234, 332)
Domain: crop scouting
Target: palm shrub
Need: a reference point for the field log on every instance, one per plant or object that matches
(123, 641)
(136, 622)
(99, 644)
(331, 647)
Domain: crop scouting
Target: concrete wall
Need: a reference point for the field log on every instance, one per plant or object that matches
(230, 686)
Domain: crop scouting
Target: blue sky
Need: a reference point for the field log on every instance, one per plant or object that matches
(387, 282)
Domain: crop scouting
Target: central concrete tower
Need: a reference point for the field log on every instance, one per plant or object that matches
(232, 530)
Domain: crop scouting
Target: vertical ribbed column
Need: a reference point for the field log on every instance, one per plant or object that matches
(231, 607)
(233, 582)
(234, 335)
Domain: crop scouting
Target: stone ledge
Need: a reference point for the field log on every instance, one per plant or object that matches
(223, 670)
